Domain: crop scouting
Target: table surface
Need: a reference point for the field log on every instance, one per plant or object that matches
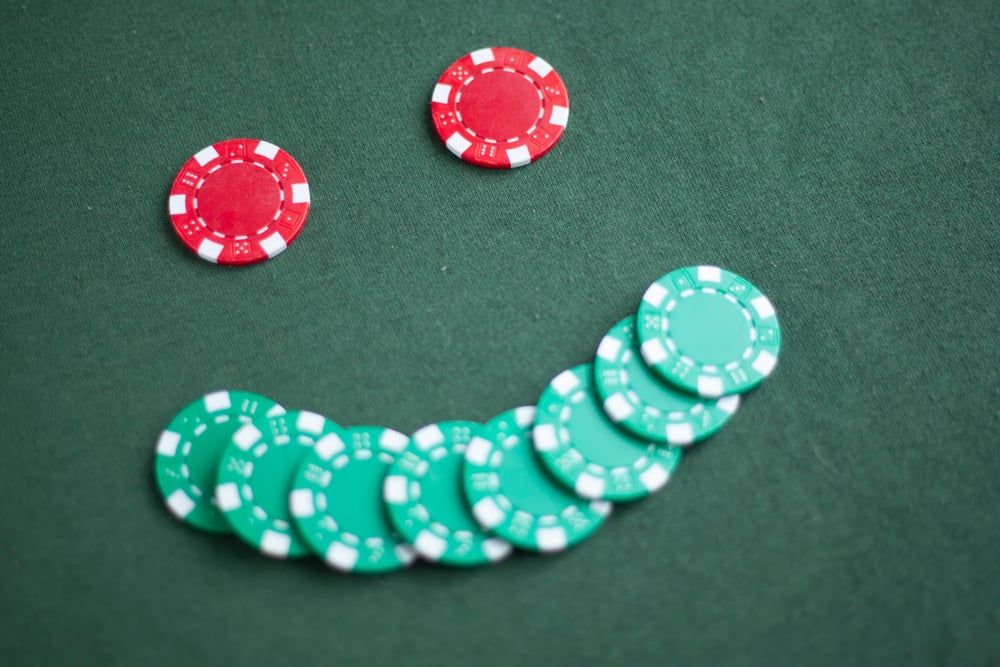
(843, 156)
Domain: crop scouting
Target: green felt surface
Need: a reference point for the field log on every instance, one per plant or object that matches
(843, 156)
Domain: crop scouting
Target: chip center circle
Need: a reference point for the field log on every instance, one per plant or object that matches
(526, 484)
(239, 199)
(597, 438)
(500, 105)
(438, 494)
(354, 496)
(709, 328)
(279, 462)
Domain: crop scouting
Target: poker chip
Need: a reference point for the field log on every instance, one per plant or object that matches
(370, 499)
(336, 501)
(708, 331)
(424, 499)
(512, 496)
(500, 107)
(637, 400)
(239, 201)
(189, 449)
(256, 472)
(584, 450)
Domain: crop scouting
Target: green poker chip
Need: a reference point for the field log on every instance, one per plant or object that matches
(708, 331)
(189, 449)
(585, 451)
(511, 494)
(336, 501)
(424, 499)
(637, 400)
(255, 475)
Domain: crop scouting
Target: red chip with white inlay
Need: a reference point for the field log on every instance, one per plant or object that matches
(239, 201)
(500, 108)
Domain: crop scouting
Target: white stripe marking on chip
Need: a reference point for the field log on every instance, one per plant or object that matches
(405, 553)
(167, 444)
(655, 294)
(442, 92)
(709, 274)
(429, 436)
(680, 434)
(481, 56)
(478, 451)
(551, 539)
(544, 436)
(209, 250)
(540, 67)
(218, 400)
(458, 144)
(429, 545)
(488, 513)
(177, 204)
(765, 363)
(300, 503)
(617, 407)
(300, 193)
(518, 157)
(329, 446)
(654, 478)
(342, 556)
(709, 387)
(247, 436)
(266, 149)
(653, 351)
(275, 544)
(206, 155)
(496, 549)
(180, 503)
(524, 416)
(394, 490)
(273, 244)
(310, 422)
(763, 307)
(565, 382)
(393, 441)
(227, 497)
(602, 507)
(560, 116)
(729, 404)
(609, 348)
(588, 486)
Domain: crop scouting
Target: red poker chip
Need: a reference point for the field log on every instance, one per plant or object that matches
(500, 108)
(239, 201)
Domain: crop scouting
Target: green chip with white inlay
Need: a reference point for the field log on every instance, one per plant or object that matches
(188, 452)
(336, 501)
(424, 498)
(512, 495)
(255, 475)
(636, 399)
(586, 452)
(708, 331)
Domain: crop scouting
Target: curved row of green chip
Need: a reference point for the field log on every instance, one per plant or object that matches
(539, 478)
